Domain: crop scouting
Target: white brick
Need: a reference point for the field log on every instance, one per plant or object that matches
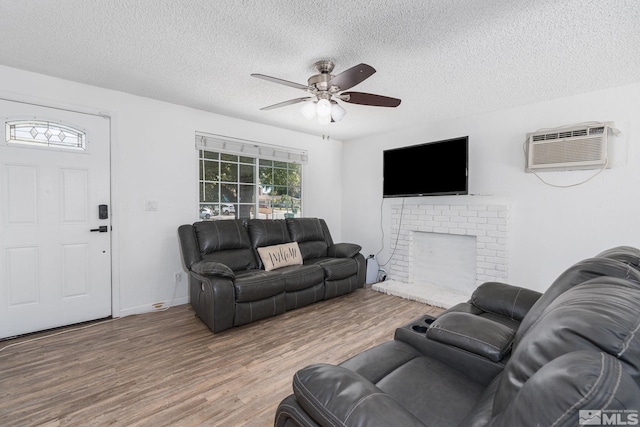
(488, 214)
(487, 227)
(497, 221)
(477, 208)
(478, 220)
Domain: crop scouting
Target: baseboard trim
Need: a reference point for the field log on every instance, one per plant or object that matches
(157, 306)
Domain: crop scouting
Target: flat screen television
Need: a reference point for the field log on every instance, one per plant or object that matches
(433, 169)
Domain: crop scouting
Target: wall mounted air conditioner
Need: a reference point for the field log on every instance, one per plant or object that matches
(567, 148)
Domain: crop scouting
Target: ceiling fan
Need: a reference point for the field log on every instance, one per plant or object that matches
(325, 89)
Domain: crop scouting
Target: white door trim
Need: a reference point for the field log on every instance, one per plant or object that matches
(115, 205)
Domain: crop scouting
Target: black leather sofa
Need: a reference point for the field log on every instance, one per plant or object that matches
(574, 353)
(229, 285)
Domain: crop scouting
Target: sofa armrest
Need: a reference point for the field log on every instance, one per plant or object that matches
(212, 268)
(343, 250)
(213, 300)
(334, 395)
(472, 333)
(506, 300)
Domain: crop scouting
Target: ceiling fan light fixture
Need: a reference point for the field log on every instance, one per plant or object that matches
(324, 120)
(308, 110)
(323, 108)
(337, 112)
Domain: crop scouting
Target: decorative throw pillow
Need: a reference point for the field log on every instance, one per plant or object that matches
(278, 256)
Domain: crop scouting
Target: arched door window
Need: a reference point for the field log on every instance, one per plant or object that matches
(38, 133)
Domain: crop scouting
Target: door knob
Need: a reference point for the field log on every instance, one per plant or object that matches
(101, 229)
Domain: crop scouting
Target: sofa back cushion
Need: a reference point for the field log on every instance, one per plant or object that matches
(268, 232)
(309, 233)
(568, 389)
(627, 254)
(226, 242)
(600, 314)
(574, 275)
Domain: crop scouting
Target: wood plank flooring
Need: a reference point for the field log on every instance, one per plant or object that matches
(167, 369)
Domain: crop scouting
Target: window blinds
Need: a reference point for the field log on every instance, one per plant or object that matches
(243, 147)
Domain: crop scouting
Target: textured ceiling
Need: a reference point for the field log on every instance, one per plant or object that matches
(444, 59)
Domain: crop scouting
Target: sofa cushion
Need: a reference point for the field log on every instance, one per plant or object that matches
(305, 229)
(268, 232)
(576, 274)
(221, 235)
(235, 259)
(309, 234)
(298, 277)
(600, 314)
(254, 285)
(226, 242)
(278, 256)
(626, 254)
(336, 396)
(575, 382)
(336, 268)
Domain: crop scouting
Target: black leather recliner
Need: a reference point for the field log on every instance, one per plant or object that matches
(577, 348)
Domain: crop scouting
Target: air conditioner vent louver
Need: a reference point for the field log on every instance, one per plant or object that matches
(567, 148)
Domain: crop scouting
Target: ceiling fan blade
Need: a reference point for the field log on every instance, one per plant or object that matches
(280, 81)
(369, 99)
(285, 103)
(351, 77)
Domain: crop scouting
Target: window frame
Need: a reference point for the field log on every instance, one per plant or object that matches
(289, 193)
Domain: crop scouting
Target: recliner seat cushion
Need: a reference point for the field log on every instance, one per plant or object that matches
(336, 268)
(300, 277)
(254, 285)
(432, 391)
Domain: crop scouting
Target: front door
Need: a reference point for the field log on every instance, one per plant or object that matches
(55, 254)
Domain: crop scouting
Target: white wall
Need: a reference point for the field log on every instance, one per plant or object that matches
(154, 158)
(550, 228)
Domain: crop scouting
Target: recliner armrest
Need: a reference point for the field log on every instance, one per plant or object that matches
(473, 333)
(334, 395)
(507, 300)
(343, 250)
(212, 268)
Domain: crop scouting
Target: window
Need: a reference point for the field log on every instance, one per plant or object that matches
(233, 185)
(45, 134)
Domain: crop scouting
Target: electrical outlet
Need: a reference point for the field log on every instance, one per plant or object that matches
(177, 278)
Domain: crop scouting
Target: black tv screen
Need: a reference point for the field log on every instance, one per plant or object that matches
(433, 169)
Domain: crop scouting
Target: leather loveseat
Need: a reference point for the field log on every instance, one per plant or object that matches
(573, 359)
(241, 271)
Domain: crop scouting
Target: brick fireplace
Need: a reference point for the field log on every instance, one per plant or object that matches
(442, 252)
